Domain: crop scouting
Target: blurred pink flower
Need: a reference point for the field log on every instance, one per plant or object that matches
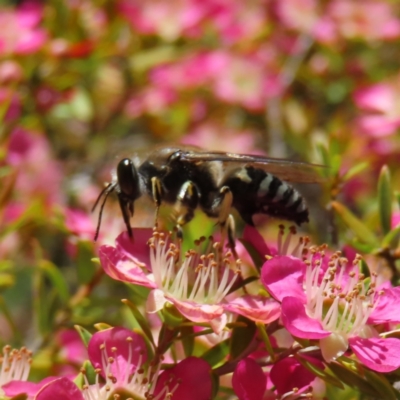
(167, 19)
(345, 19)
(10, 102)
(152, 100)
(79, 223)
(381, 102)
(217, 137)
(232, 20)
(235, 20)
(20, 33)
(300, 15)
(41, 179)
(246, 79)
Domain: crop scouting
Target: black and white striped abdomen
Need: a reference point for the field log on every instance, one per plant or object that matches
(256, 191)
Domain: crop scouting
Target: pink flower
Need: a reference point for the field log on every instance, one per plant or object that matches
(300, 15)
(215, 136)
(231, 20)
(20, 33)
(375, 20)
(196, 284)
(79, 223)
(10, 102)
(167, 19)
(119, 356)
(330, 301)
(40, 180)
(246, 79)
(381, 102)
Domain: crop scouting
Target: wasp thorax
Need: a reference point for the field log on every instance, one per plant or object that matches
(128, 179)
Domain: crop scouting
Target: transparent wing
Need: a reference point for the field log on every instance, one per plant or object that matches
(290, 171)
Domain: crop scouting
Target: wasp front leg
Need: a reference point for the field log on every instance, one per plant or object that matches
(187, 202)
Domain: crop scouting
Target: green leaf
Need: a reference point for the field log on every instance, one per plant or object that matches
(84, 334)
(56, 278)
(85, 268)
(385, 199)
(217, 354)
(187, 337)
(381, 384)
(142, 321)
(328, 378)
(241, 337)
(355, 170)
(391, 238)
(363, 233)
(353, 379)
(215, 385)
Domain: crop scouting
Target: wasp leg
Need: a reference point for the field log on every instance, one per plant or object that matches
(156, 190)
(221, 209)
(187, 202)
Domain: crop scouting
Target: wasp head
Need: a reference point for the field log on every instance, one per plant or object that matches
(128, 190)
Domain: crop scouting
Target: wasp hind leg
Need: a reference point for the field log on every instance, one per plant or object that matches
(221, 208)
(187, 202)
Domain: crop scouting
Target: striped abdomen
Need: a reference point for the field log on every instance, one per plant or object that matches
(256, 191)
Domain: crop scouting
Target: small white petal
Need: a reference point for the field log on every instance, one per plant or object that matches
(156, 300)
(333, 346)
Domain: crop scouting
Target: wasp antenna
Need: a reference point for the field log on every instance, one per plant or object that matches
(101, 195)
(107, 190)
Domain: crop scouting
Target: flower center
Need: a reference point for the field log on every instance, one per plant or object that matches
(203, 278)
(286, 245)
(120, 384)
(15, 364)
(341, 297)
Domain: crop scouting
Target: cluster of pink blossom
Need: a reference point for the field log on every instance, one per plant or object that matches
(312, 309)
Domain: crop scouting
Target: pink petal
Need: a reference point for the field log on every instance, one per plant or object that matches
(288, 373)
(380, 97)
(72, 346)
(387, 309)
(283, 276)
(14, 388)
(137, 248)
(248, 380)
(381, 355)
(193, 376)
(118, 267)
(125, 346)
(256, 308)
(378, 125)
(31, 41)
(60, 389)
(197, 312)
(298, 323)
